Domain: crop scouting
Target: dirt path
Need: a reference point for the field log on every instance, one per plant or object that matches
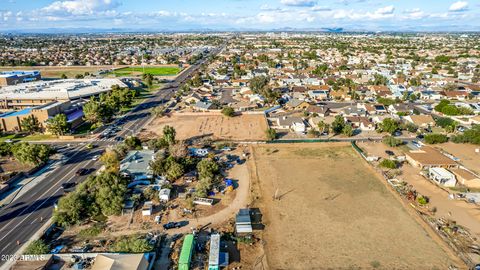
(239, 172)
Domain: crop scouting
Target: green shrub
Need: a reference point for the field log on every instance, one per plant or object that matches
(132, 244)
(422, 200)
(92, 231)
(228, 111)
(271, 134)
(435, 138)
(388, 163)
(469, 136)
(37, 247)
(392, 141)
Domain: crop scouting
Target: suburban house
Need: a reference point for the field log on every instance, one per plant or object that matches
(120, 262)
(422, 120)
(202, 106)
(192, 98)
(243, 106)
(466, 178)
(296, 104)
(318, 94)
(458, 95)
(442, 177)
(400, 108)
(361, 122)
(294, 123)
(428, 157)
(353, 111)
(321, 111)
(137, 165)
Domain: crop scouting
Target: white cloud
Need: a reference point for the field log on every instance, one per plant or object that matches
(414, 14)
(385, 10)
(459, 6)
(320, 8)
(299, 3)
(80, 7)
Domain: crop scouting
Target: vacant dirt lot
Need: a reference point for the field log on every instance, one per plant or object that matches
(239, 128)
(465, 152)
(334, 213)
(465, 214)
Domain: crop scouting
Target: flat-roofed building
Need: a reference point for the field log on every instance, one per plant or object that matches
(11, 121)
(427, 157)
(467, 178)
(36, 93)
(16, 77)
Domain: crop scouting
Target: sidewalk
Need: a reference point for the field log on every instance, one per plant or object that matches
(24, 185)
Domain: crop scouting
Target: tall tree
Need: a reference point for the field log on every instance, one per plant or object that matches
(58, 125)
(30, 124)
(92, 111)
(169, 134)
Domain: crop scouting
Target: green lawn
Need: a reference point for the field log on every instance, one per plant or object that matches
(33, 137)
(143, 93)
(155, 71)
(84, 129)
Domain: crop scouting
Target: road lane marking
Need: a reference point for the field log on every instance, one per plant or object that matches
(18, 225)
(5, 247)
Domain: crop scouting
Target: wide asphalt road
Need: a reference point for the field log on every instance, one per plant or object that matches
(21, 219)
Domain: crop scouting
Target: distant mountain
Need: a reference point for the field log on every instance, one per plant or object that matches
(97, 31)
(333, 30)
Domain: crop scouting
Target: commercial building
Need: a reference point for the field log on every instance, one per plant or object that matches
(11, 121)
(17, 97)
(16, 77)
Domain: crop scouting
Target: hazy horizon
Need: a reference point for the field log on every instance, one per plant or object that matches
(240, 15)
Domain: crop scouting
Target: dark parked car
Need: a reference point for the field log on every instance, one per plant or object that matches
(81, 171)
(390, 153)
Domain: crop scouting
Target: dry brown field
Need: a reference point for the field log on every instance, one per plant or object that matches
(333, 212)
(239, 128)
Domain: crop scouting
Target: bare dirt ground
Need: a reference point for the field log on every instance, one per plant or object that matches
(334, 213)
(465, 152)
(9, 166)
(244, 127)
(465, 214)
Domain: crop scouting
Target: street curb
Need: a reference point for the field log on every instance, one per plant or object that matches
(24, 246)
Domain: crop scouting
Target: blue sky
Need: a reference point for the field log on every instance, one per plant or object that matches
(160, 15)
